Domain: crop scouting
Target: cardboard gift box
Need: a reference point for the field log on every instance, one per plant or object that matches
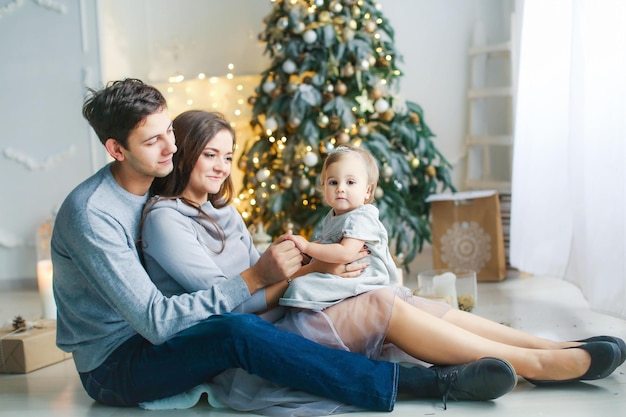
(467, 233)
(30, 349)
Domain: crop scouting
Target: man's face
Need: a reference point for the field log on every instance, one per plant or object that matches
(151, 146)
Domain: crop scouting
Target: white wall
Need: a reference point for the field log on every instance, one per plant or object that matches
(151, 40)
(49, 54)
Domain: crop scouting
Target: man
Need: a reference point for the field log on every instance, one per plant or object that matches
(131, 344)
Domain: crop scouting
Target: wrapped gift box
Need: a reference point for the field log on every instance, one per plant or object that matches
(467, 233)
(30, 349)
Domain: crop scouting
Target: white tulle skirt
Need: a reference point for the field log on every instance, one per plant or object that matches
(358, 324)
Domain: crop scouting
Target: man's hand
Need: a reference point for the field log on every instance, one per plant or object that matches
(280, 261)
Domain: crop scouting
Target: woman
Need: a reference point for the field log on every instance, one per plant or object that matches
(387, 323)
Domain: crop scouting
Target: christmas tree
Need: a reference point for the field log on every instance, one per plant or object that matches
(334, 80)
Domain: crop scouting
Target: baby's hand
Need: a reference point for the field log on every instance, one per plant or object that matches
(301, 243)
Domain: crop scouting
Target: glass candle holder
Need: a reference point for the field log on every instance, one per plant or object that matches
(437, 282)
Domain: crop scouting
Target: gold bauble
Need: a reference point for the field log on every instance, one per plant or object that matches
(347, 70)
(376, 93)
(334, 123)
(286, 182)
(343, 138)
(370, 26)
(415, 162)
(341, 88)
(387, 116)
(414, 117)
(431, 171)
(324, 16)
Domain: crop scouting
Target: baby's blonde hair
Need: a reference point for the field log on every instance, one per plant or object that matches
(368, 159)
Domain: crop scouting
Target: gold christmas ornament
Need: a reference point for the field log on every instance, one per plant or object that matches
(347, 71)
(324, 16)
(387, 116)
(415, 162)
(376, 93)
(431, 171)
(414, 117)
(334, 122)
(343, 138)
(347, 35)
(341, 88)
(286, 182)
(327, 97)
(276, 92)
(370, 26)
(387, 171)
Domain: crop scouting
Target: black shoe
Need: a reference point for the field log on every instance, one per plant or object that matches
(605, 357)
(611, 339)
(481, 380)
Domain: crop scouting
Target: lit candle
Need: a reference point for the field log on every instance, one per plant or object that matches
(44, 282)
(444, 285)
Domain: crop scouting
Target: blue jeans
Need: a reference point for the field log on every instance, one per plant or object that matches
(139, 371)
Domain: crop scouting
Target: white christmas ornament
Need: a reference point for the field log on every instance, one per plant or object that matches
(289, 66)
(269, 86)
(263, 174)
(381, 105)
(310, 159)
(271, 124)
(309, 36)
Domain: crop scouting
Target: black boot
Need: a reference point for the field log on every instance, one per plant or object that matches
(481, 380)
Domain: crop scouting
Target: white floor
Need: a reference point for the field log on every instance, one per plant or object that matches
(545, 306)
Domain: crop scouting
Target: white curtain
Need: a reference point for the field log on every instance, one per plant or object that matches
(569, 174)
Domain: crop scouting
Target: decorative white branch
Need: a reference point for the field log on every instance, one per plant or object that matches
(9, 241)
(53, 5)
(13, 5)
(31, 164)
